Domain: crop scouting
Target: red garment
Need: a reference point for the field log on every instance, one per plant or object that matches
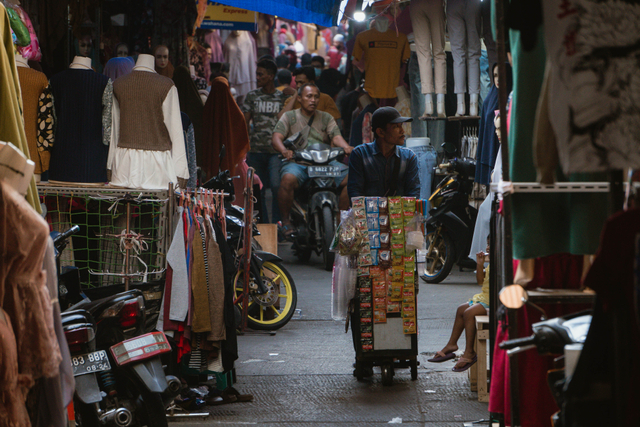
(335, 57)
(223, 124)
(561, 271)
(241, 183)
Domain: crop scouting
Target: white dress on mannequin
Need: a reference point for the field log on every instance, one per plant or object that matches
(240, 53)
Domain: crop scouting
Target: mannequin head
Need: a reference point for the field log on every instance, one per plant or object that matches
(381, 23)
(122, 50)
(161, 53)
(85, 46)
(308, 96)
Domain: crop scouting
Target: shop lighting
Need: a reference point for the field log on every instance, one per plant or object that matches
(359, 16)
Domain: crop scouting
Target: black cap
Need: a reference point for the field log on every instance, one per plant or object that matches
(385, 115)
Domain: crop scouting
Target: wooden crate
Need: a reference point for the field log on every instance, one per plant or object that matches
(268, 238)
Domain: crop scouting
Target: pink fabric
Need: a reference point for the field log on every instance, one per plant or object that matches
(335, 56)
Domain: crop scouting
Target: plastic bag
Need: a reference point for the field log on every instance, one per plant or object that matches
(348, 238)
(343, 287)
(414, 237)
(32, 50)
(18, 27)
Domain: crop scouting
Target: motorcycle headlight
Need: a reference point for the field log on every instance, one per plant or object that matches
(321, 156)
(333, 154)
(306, 156)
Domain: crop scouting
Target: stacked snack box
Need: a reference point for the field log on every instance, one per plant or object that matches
(385, 269)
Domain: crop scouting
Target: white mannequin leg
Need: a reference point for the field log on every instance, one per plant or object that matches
(462, 108)
(440, 105)
(473, 107)
(428, 101)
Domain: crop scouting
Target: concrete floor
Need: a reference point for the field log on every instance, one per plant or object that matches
(302, 375)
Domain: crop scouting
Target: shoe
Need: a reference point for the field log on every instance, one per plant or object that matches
(467, 364)
(288, 232)
(442, 357)
(232, 392)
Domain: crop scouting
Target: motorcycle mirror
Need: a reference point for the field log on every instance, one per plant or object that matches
(449, 148)
(513, 296)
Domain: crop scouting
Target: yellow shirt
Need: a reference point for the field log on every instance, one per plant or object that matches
(484, 295)
(325, 103)
(384, 54)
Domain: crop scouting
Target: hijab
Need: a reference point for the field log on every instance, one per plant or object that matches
(190, 104)
(488, 143)
(168, 70)
(223, 124)
(118, 66)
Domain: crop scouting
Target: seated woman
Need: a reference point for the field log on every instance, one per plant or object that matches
(465, 320)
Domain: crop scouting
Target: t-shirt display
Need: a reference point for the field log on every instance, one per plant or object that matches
(79, 153)
(264, 109)
(323, 128)
(384, 53)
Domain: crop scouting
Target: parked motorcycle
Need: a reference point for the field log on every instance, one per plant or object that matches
(315, 207)
(272, 289)
(119, 375)
(549, 337)
(451, 222)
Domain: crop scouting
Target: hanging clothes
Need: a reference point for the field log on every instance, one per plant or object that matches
(223, 124)
(190, 148)
(191, 104)
(240, 53)
(11, 127)
(173, 23)
(547, 223)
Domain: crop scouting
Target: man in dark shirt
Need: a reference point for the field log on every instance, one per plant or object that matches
(384, 167)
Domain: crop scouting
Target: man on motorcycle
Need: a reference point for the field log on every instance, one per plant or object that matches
(322, 129)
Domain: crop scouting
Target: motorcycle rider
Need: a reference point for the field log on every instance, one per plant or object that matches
(323, 129)
(383, 168)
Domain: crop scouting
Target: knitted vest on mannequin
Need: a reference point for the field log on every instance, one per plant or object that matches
(140, 95)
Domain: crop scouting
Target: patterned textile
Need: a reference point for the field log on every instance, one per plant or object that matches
(264, 109)
(107, 110)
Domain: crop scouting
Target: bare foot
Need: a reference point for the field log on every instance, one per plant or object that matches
(449, 348)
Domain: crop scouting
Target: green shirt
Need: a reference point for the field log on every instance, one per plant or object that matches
(264, 109)
(323, 127)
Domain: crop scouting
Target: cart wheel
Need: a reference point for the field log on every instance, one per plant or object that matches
(387, 374)
(359, 372)
(414, 370)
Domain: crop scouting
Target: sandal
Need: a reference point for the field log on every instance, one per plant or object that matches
(288, 231)
(442, 357)
(467, 363)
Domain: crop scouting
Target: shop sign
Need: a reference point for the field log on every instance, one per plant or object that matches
(220, 16)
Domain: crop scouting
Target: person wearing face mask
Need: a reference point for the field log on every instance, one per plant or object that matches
(306, 75)
(317, 62)
(336, 52)
(163, 63)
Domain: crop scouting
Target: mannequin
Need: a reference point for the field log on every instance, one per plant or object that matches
(32, 86)
(463, 20)
(404, 107)
(240, 53)
(384, 51)
(15, 169)
(428, 21)
(81, 98)
(146, 149)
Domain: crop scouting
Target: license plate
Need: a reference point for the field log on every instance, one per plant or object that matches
(90, 363)
(323, 171)
(140, 348)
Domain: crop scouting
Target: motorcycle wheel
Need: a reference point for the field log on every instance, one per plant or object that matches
(303, 255)
(274, 309)
(439, 260)
(153, 411)
(328, 230)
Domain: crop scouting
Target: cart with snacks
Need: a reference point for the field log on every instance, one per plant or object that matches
(383, 242)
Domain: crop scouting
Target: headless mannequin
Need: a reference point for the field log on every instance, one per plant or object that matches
(15, 169)
(145, 63)
(381, 23)
(365, 100)
(21, 61)
(81, 62)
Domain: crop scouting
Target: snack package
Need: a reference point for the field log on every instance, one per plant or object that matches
(364, 260)
(408, 277)
(385, 240)
(409, 204)
(397, 249)
(397, 274)
(408, 217)
(366, 332)
(396, 220)
(409, 263)
(396, 291)
(361, 224)
(379, 290)
(373, 222)
(358, 202)
(364, 292)
(395, 204)
(397, 260)
(363, 271)
(408, 295)
(374, 239)
(364, 315)
(380, 303)
(384, 259)
(414, 236)
(377, 274)
(383, 205)
(397, 236)
(371, 204)
(409, 326)
(380, 316)
(408, 310)
(374, 257)
(365, 305)
(393, 306)
(359, 213)
(348, 238)
(364, 281)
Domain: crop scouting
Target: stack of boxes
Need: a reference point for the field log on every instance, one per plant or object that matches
(386, 271)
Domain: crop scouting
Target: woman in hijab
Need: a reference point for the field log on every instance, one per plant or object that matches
(163, 64)
(190, 104)
(488, 143)
(118, 66)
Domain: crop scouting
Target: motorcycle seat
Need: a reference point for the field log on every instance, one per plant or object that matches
(98, 306)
